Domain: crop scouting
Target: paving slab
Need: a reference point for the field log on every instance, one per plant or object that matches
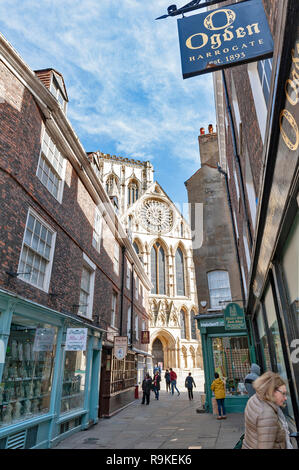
(168, 423)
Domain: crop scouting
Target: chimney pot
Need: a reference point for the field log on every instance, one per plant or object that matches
(202, 131)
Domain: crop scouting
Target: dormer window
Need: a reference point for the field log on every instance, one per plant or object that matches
(56, 90)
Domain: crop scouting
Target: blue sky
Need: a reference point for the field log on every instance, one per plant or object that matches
(123, 75)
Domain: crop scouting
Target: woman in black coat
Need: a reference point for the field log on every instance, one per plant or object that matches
(156, 384)
(146, 387)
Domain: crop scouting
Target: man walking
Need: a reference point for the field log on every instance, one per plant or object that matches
(146, 387)
(156, 384)
(173, 378)
(189, 382)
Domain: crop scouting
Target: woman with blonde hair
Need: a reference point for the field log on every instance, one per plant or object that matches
(265, 424)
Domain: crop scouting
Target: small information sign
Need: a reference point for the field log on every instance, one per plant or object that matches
(76, 339)
(44, 339)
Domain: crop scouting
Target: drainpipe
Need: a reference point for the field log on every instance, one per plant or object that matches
(234, 230)
(123, 250)
(237, 158)
(132, 305)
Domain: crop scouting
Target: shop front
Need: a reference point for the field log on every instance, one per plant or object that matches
(48, 387)
(227, 352)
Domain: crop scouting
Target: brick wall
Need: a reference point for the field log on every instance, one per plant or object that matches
(72, 220)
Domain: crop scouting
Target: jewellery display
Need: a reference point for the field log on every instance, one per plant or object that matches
(26, 384)
(73, 381)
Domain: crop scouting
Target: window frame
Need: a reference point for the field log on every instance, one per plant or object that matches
(44, 157)
(96, 243)
(88, 265)
(209, 276)
(49, 265)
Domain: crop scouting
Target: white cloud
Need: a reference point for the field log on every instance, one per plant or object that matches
(122, 71)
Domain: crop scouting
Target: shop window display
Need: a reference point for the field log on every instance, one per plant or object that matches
(263, 341)
(25, 389)
(278, 353)
(73, 385)
(232, 362)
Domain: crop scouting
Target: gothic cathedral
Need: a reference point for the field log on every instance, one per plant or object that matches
(162, 239)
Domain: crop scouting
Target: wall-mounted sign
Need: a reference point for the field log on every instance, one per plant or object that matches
(76, 339)
(234, 318)
(120, 347)
(224, 37)
(210, 323)
(44, 339)
(145, 337)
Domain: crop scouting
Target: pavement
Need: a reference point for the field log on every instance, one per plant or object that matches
(172, 422)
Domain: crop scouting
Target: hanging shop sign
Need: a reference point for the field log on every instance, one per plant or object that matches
(120, 347)
(234, 318)
(224, 37)
(145, 337)
(76, 339)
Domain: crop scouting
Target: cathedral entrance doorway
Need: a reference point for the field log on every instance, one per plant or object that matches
(157, 353)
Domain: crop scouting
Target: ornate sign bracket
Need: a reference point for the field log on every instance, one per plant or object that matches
(172, 10)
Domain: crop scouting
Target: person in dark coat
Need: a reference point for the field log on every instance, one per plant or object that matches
(167, 380)
(189, 382)
(251, 377)
(146, 387)
(156, 384)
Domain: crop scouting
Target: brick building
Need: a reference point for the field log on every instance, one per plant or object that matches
(64, 255)
(257, 119)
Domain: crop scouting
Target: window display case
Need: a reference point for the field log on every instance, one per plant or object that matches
(232, 362)
(73, 385)
(25, 389)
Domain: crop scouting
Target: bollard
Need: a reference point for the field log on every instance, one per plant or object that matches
(136, 391)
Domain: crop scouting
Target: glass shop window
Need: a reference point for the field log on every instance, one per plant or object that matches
(25, 390)
(73, 385)
(290, 265)
(232, 362)
(263, 341)
(276, 341)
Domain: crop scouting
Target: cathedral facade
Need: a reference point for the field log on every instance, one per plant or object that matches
(162, 239)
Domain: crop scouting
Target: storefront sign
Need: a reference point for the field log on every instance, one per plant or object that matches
(145, 337)
(224, 37)
(234, 318)
(209, 323)
(76, 339)
(120, 346)
(286, 157)
(44, 339)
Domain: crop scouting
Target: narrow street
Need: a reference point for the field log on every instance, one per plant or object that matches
(170, 423)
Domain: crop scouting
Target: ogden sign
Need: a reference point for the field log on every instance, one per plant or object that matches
(224, 37)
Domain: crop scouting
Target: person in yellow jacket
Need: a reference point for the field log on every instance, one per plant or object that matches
(218, 388)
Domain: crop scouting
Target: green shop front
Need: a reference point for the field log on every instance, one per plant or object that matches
(49, 374)
(226, 350)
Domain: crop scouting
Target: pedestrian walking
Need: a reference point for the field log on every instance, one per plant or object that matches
(218, 388)
(156, 384)
(254, 374)
(265, 424)
(173, 378)
(146, 387)
(167, 380)
(189, 382)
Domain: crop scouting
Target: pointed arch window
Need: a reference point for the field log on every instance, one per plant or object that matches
(136, 248)
(193, 325)
(179, 270)
(132, 192)
(112, 185)
(158, 269)
(183, 324)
